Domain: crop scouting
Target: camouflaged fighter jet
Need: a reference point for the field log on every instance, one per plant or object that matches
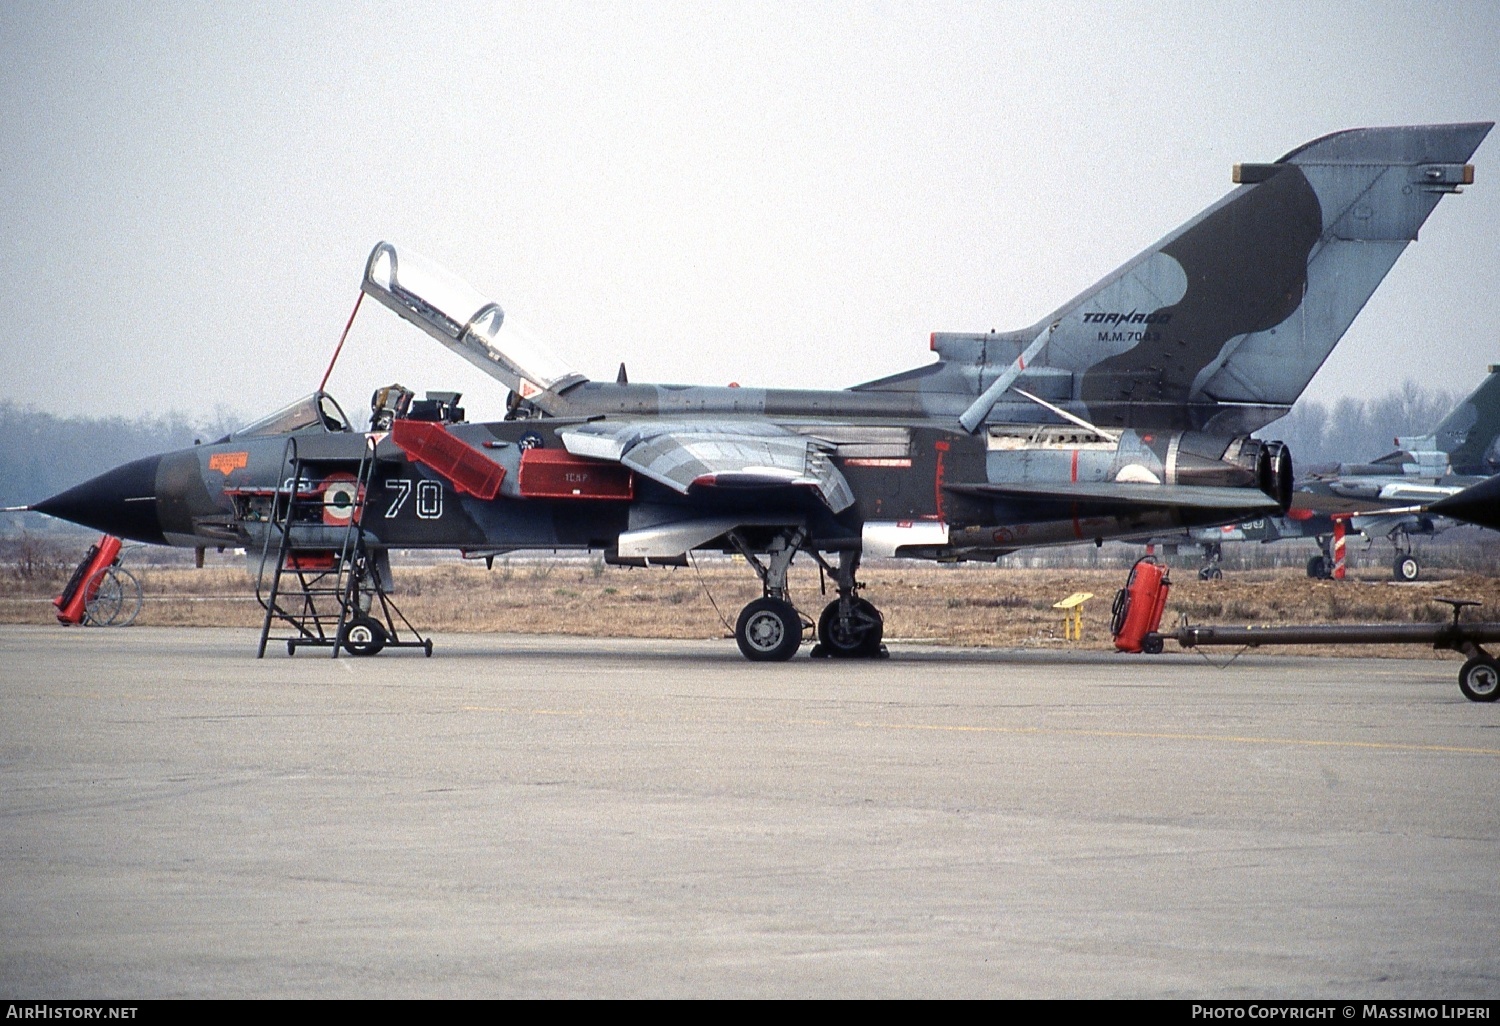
(1125, 411)
(1460, 452)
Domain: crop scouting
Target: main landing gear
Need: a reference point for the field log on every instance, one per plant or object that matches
(1213, 555)
(1320, 568)
(770, 629)
(850, 627)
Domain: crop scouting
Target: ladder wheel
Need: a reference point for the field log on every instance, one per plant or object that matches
(363, 636)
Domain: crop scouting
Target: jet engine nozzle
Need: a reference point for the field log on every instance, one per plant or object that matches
(1274, 472)
(1270, 465)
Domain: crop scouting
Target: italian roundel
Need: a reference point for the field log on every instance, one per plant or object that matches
(341, 498)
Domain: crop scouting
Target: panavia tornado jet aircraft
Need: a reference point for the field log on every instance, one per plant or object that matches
(1126, 411)
(1460, 452)
(1388, 496)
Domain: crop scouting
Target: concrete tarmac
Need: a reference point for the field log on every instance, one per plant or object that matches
(564, 817)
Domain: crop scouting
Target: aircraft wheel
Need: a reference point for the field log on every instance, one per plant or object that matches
(1479, 679)
(1317, 568)
(363, 636)
(1406, 568)
(769, 631)
(1210, 573)
(859, 640)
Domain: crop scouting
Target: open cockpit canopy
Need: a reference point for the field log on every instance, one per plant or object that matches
(451, 311)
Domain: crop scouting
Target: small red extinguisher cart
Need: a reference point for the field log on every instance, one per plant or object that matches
(100, 592)
(1139, 605)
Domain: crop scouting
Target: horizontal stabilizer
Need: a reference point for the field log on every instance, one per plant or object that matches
(1331, 505)
(1115, 493)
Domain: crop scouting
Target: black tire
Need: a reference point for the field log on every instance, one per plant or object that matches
(769, 631)
(1317, 568)
(1479, 679)
(1210, 573)
(363, 636)
(1406, 568)
(1119, 610)
(862, 641)
(1152, 645)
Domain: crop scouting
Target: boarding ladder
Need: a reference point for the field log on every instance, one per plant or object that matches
(321, 579)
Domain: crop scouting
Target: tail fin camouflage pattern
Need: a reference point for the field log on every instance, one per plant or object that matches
(1222, 324)
(1468, 434)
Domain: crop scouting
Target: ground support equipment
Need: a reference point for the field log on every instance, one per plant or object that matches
(1478, 678)
(101, 593)
(317, 574)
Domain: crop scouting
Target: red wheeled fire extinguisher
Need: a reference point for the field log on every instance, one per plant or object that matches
(100, 591)
(1139, 605)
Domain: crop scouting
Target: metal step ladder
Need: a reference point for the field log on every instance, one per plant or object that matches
(320, 579)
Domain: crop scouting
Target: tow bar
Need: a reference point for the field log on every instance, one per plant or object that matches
(1478, 678)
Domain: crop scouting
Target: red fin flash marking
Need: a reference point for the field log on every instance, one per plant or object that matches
(937, 477)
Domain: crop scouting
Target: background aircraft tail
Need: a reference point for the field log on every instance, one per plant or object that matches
(1469, 433)
(1239, 307)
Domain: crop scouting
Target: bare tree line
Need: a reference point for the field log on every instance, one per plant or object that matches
(43, 453)
(1356, 430)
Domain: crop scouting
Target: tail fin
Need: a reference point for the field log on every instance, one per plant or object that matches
(1468, 434)
(1224, 322)
(1244, 303)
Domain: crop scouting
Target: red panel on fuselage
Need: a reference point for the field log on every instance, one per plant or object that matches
(466, 468)
(558, 474)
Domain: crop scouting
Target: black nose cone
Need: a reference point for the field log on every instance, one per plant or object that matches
(1477, 505)
(120, 502)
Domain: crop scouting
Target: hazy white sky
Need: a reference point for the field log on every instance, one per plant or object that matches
(779, 194)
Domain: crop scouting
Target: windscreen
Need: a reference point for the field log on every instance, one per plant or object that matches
(317, 411)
